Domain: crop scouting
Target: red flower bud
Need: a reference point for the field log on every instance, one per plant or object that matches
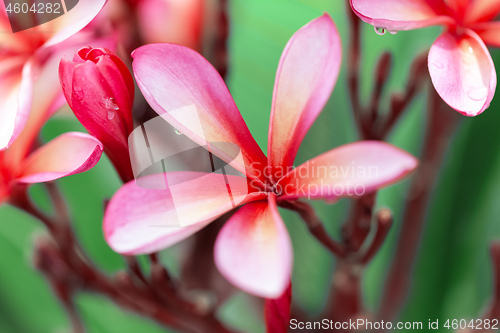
(100, 90)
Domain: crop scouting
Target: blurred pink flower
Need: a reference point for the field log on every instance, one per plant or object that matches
(172, 21)
(460, 65)
(24, 56)
(99, 89)
(67, 154)
(253, 249)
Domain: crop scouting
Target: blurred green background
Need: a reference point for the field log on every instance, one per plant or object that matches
(452, 277)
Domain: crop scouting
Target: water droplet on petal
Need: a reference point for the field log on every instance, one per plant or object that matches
(111, 115)
(177, 131)
(471, 51)
(78, 93)
(478, 94)
(110, 103)
(438, 65)
(380, 31)
(393, 32)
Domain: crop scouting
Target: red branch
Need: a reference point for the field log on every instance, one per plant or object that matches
(315, 226)
(442, 121)
(68, 271)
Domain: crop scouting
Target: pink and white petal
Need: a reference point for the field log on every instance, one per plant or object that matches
(16, 96)
(306, 75)
(73, 21)
(482, 11)
(46, 94)
(397, 15)
(253, 250)
(463, 72)
(187, 91)
(66, 155)
(143, 220)
(489, 32)
(350, 170)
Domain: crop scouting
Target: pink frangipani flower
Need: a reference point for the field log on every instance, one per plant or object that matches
(67, 154)
(460, 65)
(23, 58)
(253, 249)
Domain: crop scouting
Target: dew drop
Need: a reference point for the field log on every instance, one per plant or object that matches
(78, 93)
(438, 65)
(111, 115)
(380, 31)
(478, 94)
(110, 104)
(393, 32)
(177, 131)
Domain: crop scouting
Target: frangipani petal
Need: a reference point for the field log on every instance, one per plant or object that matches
(68, 154)
(73, 21)
(176, 80)
(16, 96)
(46, 95)
(482, 11)
(489, 32)
(306, 75)
(253, 250)
(463, 72)
(395, 15)
(140, 220)
(353, 170)
(459, 7)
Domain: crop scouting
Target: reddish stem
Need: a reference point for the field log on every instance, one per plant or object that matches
(68, 272)
(315, 226)
(346, 302)
(441, 123)
(384, 223)
(220, 47)
(493, 311)
(357, 228)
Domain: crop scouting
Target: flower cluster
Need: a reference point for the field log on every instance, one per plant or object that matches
(67, 61)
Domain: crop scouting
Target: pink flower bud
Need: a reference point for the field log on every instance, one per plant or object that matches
(100, 90)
